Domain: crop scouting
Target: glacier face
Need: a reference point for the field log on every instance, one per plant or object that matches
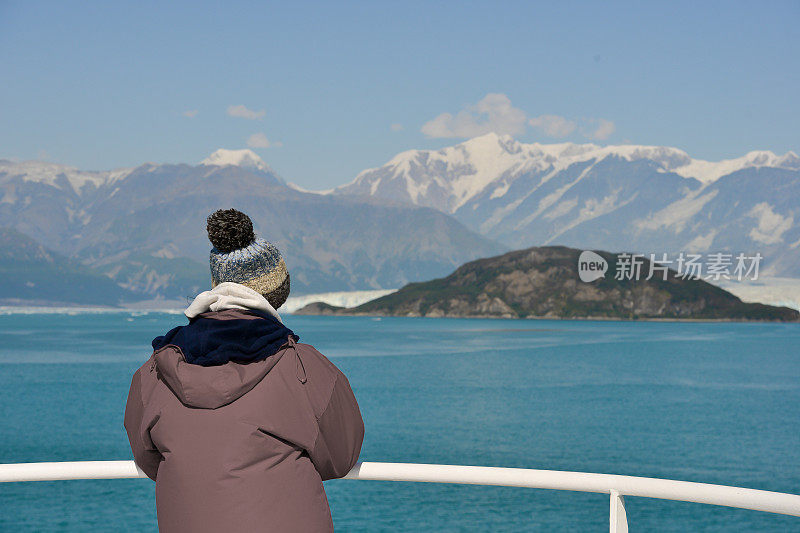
(339, 299)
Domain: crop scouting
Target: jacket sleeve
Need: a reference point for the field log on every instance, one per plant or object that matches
(341, 432)
(145, 454)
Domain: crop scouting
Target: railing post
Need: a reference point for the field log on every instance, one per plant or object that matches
(618, 522)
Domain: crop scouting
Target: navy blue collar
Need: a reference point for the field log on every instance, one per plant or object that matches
(210, 340)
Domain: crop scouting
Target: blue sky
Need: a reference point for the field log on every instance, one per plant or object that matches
(336, 87)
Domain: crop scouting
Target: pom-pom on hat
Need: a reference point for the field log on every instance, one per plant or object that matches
(240, 257)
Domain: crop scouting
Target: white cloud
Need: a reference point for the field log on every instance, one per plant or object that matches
(494, 113)
(554, 125)
(191, 113)
(601, 129)
(242, 111)
(396, 127)
(259, 140)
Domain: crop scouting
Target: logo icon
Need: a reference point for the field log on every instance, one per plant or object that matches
(591, 266)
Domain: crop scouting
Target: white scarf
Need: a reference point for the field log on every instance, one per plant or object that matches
(229, 295)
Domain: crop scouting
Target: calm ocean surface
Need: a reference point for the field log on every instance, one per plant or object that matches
(716, 403)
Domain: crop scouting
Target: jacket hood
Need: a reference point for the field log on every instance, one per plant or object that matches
(219, 356)
(229, 295)
(210, 387)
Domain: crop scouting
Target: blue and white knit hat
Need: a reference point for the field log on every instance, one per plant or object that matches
(238, 256)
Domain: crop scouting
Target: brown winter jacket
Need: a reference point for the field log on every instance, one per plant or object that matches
(243, 447)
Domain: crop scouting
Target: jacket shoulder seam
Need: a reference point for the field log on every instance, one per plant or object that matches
(324, 411)
(328, 401)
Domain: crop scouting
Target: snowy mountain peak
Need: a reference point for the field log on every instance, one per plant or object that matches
(766, 158)
(58, 175)
(790, 160)
(238, 158)
(491, 143)
(710, 171)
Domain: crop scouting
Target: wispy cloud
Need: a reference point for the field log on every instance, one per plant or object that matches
(259, 140)
(396, 127)
(190, 113)
(554, 125)
(602, 130)
(241, 111)
(494, 113)
(598, 129)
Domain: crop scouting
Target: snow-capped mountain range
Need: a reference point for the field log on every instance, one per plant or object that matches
(144, 228)
(449, 178)
(416, 217)
(647, 199)
(59, 176)
(76, 180)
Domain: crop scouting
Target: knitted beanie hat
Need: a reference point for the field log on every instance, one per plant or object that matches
(240, 257)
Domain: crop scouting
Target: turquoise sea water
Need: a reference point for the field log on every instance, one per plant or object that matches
(716, 403)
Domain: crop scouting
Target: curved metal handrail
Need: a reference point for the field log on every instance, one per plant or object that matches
(615, 485)
(665, 489)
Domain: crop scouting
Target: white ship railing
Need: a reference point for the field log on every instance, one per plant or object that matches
(615, 486)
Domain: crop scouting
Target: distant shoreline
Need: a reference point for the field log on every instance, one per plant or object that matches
(79, 310)
(555, 318)
(66, 310)
(176, 306)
